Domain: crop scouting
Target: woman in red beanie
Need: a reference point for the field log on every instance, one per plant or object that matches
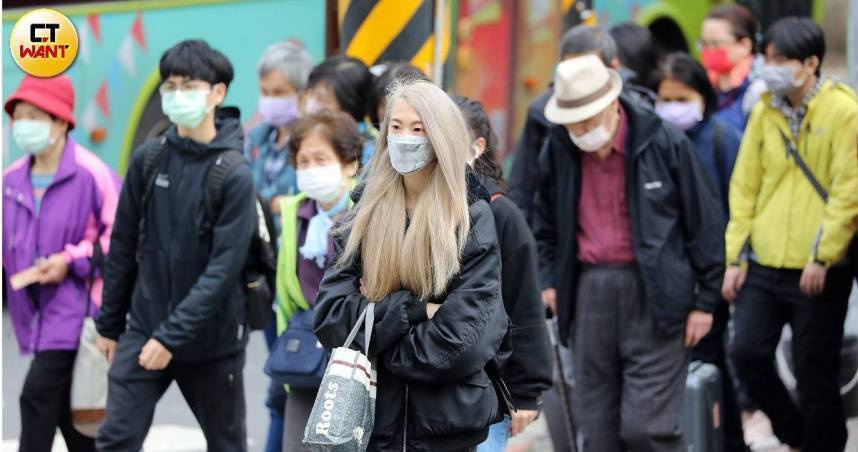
(58, 206)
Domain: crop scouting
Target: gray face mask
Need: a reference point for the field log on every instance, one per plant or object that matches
(408, 153)
(780, 79)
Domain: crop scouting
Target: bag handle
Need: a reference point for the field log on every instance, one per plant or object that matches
(367, 319)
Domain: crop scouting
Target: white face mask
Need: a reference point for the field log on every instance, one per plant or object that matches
(321, 183)
(408, 153)
(595, 139)
(32, 136)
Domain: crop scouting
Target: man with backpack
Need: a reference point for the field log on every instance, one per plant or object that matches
(793, 206)
(177, 267)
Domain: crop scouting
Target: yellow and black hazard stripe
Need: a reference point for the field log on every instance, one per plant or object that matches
(376, 31)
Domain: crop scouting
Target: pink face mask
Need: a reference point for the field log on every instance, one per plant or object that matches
(684, 115)
(278, 111)
(716, 60)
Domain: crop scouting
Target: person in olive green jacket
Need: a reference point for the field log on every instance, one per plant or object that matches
(325, 150)
(786, 244)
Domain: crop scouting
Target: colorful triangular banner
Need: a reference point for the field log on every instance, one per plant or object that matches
(89, 120)
(137, 31)
(84, 39)
(95, 26)
(102, 101)
(126, 55)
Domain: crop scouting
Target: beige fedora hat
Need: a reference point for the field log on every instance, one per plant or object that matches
(583, 87)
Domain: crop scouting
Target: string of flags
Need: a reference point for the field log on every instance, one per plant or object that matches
(90, 34)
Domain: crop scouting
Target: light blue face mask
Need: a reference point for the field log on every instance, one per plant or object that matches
(33, 137)
(408, 153)
(186, 108)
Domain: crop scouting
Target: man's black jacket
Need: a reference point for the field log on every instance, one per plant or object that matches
(185, 292)
(676, 217)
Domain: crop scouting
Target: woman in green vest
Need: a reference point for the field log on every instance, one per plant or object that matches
(325, 150)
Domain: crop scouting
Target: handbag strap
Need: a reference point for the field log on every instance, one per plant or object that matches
(791, 150)
(367, 319)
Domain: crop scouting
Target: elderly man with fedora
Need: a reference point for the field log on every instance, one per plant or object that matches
(629, 229)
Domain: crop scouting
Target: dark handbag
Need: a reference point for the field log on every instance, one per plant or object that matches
(852, 251)
(297, 358)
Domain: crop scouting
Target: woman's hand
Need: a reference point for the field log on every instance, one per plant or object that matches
(274, 205)
(520, 420)
(53, 269)
(431, 309)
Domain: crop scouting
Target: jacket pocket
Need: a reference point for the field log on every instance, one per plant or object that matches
(461, 407)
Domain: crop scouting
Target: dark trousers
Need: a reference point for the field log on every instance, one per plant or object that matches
(214, 390)
(629, 377)
(712, 349)
(45, 404)
(770, 299)
(276, 401)
(299, 405)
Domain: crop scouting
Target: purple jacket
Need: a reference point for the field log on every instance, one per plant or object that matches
(77, 209)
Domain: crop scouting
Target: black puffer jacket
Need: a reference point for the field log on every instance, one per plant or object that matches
(528, 371)
(431, 369)
(676, 217)
(185, 292)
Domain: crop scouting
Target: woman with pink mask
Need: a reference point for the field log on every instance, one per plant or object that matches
(727, 51)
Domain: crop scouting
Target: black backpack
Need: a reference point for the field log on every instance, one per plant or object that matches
(260, 268)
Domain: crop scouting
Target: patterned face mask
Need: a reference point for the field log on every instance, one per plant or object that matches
(408, 153)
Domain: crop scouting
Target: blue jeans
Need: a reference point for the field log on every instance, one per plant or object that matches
(498, 436)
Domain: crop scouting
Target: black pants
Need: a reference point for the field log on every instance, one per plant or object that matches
(712, 349)
(45, 404)
(299, 405)
(214, 390)
(771, 298)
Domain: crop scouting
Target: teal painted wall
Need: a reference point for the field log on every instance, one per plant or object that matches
(241, 30)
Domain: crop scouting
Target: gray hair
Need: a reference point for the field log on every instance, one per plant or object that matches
(584, 38)
(288, 58)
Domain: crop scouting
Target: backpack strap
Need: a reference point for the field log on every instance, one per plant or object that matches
(497, 195)
(153, 159)
(222, 166)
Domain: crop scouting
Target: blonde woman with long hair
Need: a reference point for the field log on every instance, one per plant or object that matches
(421, 245)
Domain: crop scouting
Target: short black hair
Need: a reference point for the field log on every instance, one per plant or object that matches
(195, 59)
(637, 50)
(683, 68)
(796, 38)
(741, 20)
(349, 79)
(398, 71)
(480, 126)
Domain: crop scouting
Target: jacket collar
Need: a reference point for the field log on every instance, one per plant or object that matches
(229, 135)
(67, 167)
(68, 162)
(643, 124)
